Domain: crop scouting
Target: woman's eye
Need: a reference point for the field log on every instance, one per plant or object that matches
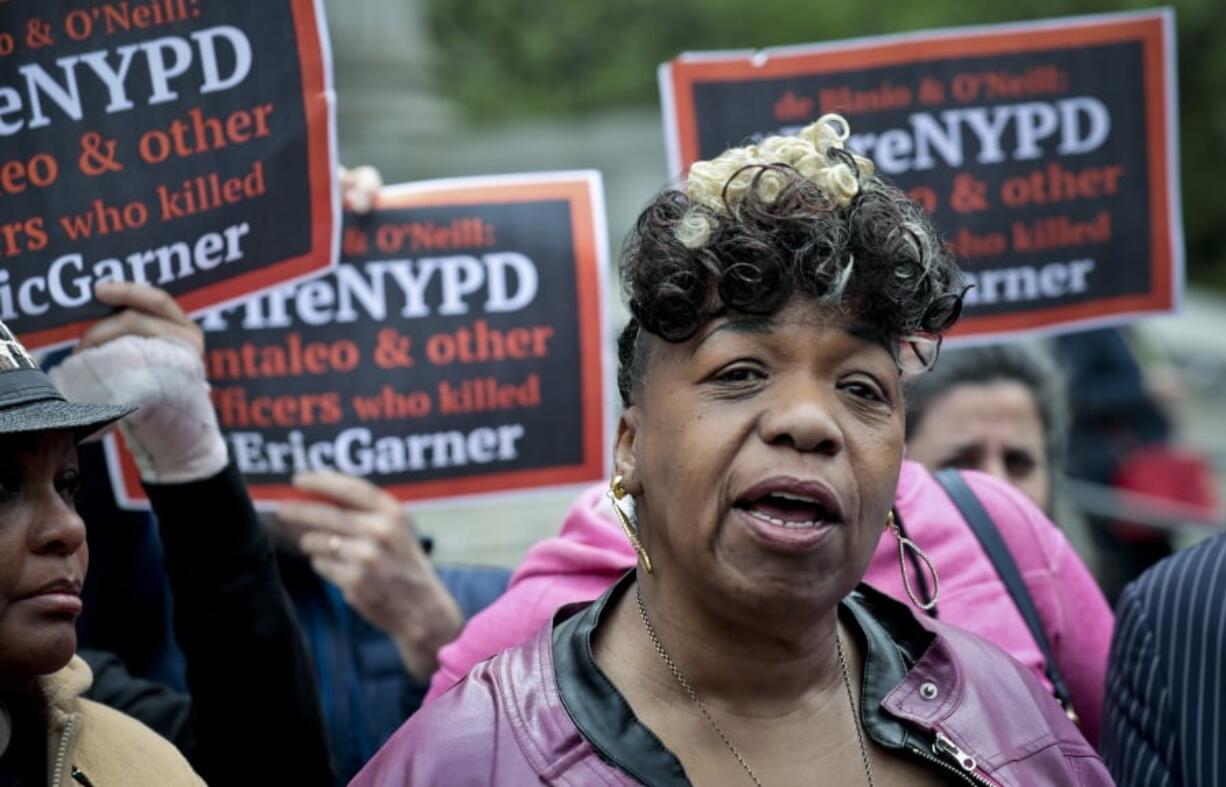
(864, 390)
(959, 462)
(1020, 464)
(69, 485)
(739, 374)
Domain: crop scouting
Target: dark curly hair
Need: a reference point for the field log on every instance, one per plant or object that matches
(876, 255)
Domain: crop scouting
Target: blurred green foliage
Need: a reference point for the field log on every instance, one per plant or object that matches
(505, 59)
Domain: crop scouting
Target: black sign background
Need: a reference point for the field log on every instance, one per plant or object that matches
(1124, 243)
(280, 219)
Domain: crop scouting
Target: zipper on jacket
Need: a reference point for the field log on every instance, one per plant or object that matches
(57, 775)
(79, 777)
(944, 748)
(943, 745)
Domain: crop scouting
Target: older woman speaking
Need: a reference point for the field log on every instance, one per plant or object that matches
(778, 300)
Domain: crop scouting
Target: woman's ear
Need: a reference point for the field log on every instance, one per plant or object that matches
(624, 454)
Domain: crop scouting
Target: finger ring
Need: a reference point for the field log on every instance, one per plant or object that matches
(334, 545)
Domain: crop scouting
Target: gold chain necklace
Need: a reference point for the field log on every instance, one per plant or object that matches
(689, 690)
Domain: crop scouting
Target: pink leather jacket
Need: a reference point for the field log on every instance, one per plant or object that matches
(544, 713)
(591, 553)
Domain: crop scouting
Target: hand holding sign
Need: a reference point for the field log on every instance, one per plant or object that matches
(144, 311)
(362, 542)
(359, 188)
(150, 354)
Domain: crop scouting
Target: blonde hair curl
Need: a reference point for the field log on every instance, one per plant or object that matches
(717, 187)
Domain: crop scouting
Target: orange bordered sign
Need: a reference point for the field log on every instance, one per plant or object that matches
(457, 350)
(179, 143)
(1047, 152)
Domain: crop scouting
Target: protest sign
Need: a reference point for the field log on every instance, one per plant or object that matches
(457, 350)
(1046, 151)
(182, 143)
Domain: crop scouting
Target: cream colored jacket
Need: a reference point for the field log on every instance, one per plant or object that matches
(104, 747)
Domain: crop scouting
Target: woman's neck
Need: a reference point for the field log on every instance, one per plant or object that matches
(747, 666)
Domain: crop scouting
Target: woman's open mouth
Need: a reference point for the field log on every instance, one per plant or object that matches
(789, 512)
(785, 510)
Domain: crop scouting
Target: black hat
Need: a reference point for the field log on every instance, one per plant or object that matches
(30, 403)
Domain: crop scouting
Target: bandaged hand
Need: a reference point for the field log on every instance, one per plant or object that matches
(149, 354)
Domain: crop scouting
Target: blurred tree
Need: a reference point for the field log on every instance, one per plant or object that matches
(503, 59)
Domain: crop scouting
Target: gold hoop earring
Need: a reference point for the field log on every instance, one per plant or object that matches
(616, 493)
(903, 544)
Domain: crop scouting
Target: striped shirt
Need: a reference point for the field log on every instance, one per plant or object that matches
(1165, 719)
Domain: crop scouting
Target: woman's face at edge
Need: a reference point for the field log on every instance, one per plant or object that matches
(43, 554)
(994, 428)
(800, 404)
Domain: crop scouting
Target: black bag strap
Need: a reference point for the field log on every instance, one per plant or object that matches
(989, 538)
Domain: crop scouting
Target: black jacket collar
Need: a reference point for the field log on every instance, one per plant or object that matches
(891, 639)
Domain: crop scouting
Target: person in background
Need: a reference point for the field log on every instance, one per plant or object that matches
(128, 607)
(999, 409)
(1115, 420)
(357, 667)
(49, 733)
(251, 714)
(373, 607)
(372, 612)
(1165, 720)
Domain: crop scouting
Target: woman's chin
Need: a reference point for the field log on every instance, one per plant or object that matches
(773, 589)
(782, 571)
(40, 652)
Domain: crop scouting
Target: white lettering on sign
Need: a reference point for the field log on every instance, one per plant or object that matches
(70, 280)
(1028, 282)
(223, 55)
(1007, 132)
(356, 451)
(498, 282)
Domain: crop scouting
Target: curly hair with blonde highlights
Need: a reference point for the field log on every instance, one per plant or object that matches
(791, 215)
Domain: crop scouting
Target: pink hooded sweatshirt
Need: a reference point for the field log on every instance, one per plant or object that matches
(591, 553)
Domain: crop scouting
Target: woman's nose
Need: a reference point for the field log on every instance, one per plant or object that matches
(993, 463)
(58, 529)
(800, 416)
